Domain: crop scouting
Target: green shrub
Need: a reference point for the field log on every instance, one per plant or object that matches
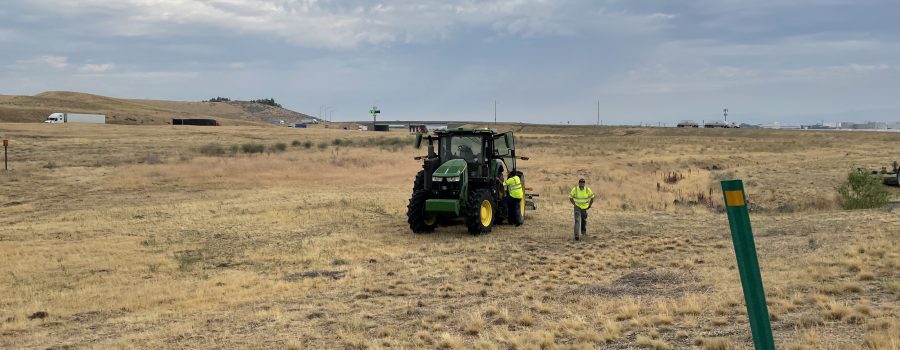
(337, 142)
(307, 144)
(212, 149)
(322, 145)
(296, 143)
(153, 158)
(388, 143)
(234, 149)
(862, 191)
(278, 147)
(253, 148)
(187, 258)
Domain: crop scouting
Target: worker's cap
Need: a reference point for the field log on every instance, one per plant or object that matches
(581, 180)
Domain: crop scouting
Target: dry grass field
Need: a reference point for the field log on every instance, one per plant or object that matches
(118, 236)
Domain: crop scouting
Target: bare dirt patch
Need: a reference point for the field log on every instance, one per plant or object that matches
(658, 283)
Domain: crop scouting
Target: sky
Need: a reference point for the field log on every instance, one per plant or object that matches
(542, 61)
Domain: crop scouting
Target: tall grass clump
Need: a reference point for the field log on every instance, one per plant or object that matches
(253, 148)
(152, 158)
(212, 149)
(862, 191)
(278, 147)
(296, 143)
(388, 143)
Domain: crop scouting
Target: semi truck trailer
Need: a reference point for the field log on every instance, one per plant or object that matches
(203, 122)
(56, 118)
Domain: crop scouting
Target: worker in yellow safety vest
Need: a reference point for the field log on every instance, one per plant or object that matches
(514, 194)
(582, 198)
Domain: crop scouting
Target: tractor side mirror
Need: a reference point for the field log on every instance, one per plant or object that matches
(418, 141)
(510, 140)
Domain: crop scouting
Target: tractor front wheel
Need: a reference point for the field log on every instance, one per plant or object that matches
(419, 182)
(480, 212)
(419, 221)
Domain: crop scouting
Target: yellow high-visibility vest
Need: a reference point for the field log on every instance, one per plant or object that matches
(581, 197)
(514, 185)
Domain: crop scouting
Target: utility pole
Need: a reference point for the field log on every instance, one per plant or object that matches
(598, 112)
(495, 112)
(725, 113)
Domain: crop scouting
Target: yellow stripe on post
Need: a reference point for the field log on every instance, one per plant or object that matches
(734, 198)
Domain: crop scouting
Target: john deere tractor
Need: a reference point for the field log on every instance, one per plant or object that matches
(462, 177)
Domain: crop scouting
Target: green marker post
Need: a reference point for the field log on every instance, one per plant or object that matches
(748, 264)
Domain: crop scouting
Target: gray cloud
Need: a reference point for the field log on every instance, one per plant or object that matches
(543, 60)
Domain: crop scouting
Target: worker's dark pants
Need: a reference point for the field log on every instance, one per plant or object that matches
(512, 207)
(580, 221)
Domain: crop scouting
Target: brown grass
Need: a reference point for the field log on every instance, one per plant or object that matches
(308, 248)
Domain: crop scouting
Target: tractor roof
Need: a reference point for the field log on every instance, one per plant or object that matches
(465, 131)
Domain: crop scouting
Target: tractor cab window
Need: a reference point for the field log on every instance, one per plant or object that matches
(504, 151)
(468, 148)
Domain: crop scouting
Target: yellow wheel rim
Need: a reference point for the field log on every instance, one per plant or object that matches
(487, 213)
(430, 220)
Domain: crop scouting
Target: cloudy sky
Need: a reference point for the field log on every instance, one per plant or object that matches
(541, 60)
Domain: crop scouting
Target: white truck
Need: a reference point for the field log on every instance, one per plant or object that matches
(76, 118)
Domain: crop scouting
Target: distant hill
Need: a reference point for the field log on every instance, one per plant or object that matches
(30, 109)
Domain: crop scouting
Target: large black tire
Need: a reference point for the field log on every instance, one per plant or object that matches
(521, 212)
(498, 220)
(415, 214)
(501, 212)
(419, 182)
(480, 210)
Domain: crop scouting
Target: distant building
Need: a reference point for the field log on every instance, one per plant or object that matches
(719, 124)
(864, 126)
(778, 125)
(424, 128)
(688, 124)
(418, 128)
(816, 127)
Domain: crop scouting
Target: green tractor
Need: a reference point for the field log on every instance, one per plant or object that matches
(461, 177)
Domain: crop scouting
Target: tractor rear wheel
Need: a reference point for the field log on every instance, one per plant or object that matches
(521, 211)
(419, 221)
(522, 201)
(501, 212)
(480, 212)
